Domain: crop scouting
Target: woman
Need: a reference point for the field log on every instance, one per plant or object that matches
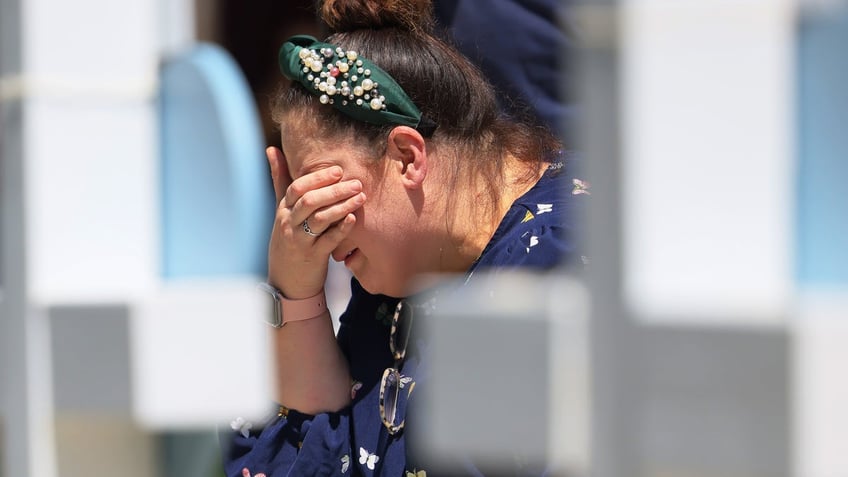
(396, 161)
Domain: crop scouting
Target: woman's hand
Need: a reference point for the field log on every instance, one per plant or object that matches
(297, 261)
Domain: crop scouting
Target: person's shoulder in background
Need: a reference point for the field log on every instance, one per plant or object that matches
(524, 47)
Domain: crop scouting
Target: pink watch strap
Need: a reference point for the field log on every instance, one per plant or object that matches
(303, 309)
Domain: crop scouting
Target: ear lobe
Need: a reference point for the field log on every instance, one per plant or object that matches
(408, 151)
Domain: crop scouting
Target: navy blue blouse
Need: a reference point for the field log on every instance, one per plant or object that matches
(538, 232)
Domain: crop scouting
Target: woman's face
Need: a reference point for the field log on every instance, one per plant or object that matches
(385, 249)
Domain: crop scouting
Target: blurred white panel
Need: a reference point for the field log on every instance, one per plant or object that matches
(200, 355)
(88, 81)
(93, 197)
(820, 387)
(99, 41)
(176, 20)
(707, 148)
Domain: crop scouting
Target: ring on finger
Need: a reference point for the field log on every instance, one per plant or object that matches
(308, 231)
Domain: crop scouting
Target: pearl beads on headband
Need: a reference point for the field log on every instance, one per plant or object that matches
(343, 78)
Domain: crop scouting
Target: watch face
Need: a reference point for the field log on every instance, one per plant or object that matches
(274, 317)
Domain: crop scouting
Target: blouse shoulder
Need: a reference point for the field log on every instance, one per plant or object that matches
(540, 229)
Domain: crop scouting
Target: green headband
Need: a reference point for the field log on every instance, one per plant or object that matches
(352, 84)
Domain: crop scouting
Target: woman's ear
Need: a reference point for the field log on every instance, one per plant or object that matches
(408, 152)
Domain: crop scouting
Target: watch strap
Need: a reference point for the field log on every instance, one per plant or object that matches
(287, 310)
(303, 309)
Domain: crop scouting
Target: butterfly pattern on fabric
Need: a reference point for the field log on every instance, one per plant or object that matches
(384, 314)
(368, 459)
(581, 187)
(241, 426)
(544, 208)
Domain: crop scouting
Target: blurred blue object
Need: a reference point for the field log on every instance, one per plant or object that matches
(822, 222)
(217, 198)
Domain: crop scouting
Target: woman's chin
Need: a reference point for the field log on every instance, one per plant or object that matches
(408, 288)
(378, 287)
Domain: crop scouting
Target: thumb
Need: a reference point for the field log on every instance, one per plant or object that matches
(279, 171)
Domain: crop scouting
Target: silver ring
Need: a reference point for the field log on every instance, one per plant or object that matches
(308, 231)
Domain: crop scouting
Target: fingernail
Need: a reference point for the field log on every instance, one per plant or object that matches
(336, 171)
(355, 186)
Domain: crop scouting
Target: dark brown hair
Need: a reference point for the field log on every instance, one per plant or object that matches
(446, 87)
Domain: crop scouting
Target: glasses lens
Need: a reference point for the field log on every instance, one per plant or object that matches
(388, 399)
(401, 325)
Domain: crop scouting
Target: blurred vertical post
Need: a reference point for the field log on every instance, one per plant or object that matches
(598, 86)
(687, 132)
(77, 90)
(26, 434)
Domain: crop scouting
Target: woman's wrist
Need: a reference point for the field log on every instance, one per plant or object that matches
(302, 309)
(287, 310)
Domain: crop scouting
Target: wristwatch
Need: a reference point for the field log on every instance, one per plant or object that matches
(286, 311)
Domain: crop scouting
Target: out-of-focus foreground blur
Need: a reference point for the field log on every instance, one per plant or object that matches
(136, 206)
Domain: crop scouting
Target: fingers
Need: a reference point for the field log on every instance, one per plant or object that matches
(297, 260)
(324, 218)
(328, 204)
(279, 171)
(333, 236)
(312, 182)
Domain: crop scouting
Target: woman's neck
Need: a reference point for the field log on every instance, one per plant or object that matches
(470, 229)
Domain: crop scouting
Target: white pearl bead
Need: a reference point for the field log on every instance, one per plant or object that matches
(376, 104)
(351, 55)
(324, 99)
(316, 66)
(345, 91)
(358, 91)
(343, 67)
(303, 53)
(367, 84)
(331, 90)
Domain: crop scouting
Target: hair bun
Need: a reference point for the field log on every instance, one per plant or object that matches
(350, 15)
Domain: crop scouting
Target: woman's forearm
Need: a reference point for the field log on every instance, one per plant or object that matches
(312, 373)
